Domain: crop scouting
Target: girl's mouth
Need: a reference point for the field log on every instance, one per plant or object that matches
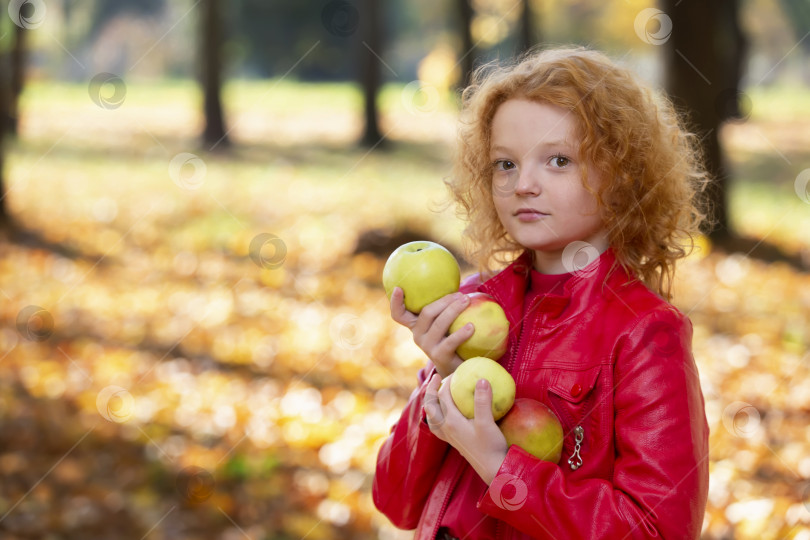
(530, 214)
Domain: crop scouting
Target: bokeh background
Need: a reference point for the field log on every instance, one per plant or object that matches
(197, 201)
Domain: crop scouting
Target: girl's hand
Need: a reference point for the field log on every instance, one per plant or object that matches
(431, 325)
(478, 440)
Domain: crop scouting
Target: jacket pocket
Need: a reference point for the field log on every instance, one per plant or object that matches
(574, 398)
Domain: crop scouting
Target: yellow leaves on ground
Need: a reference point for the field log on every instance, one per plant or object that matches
(193, 387)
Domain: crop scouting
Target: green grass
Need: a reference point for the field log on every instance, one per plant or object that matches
(779, 102)
(304, 134)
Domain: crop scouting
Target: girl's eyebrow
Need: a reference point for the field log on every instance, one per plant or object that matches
(550, 144)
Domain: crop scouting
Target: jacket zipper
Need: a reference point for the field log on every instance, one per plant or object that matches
(526, 320)
(575, 460)
(499, 524)
(516, 350)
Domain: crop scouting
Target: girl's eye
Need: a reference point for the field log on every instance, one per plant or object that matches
(504, 165)
(560, 161)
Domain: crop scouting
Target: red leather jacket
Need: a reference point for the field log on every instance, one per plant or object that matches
(614, 361)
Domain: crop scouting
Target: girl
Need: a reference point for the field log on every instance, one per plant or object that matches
(582, 180)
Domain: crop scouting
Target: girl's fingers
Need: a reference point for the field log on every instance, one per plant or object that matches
(448, 346)
(432, 406)
(398, 311)
(444, 393)
(442, 322)
(430, 332)
(483, 402)
(426, 322)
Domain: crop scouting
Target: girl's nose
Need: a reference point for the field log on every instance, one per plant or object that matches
(527, 184)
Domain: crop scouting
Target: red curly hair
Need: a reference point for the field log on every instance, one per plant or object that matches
(630, 133)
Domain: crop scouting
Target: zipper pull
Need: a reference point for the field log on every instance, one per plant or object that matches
(575, 461)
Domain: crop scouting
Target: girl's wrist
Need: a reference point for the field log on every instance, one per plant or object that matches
(487, 466)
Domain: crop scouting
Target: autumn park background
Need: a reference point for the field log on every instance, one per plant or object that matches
(197, 201)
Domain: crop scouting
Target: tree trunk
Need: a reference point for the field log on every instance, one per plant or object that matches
(371, 70)
(17, 79)
(703, 66)
(5, 100)
(468, 54)
(214, 134)
(527, 33)
(5, 220)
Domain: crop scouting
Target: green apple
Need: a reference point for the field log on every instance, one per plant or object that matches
(424, 270)
(464, 379)
(534, 427)
(491, 328)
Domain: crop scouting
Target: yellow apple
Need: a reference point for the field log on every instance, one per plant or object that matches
(464, 379)
(424, 270)
(534, 427)
(491, 328)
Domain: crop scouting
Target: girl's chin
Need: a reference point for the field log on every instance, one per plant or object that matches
(547, 247)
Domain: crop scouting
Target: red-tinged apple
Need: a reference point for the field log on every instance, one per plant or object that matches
(464, 379)
(534, 427)
(424, 270)
(491, 328)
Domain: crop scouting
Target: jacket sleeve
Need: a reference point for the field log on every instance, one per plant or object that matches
(408, 462)
(471, 283)
(660, 480)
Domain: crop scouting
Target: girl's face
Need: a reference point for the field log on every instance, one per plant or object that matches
(537, 182)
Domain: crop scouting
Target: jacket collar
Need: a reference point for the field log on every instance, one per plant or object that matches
(603, 277)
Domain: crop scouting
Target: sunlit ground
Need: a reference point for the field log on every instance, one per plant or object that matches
(188, 390)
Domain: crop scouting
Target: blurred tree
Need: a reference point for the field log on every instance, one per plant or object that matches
(17, 66)
(468, 52)
(703, 67)
(275, 36)
(211, 43)
(527, 35)
(5, 113)
(585, 22)
(14, 59)
(704, 59)
(371, 33)
(798, 15)
(106, 10)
